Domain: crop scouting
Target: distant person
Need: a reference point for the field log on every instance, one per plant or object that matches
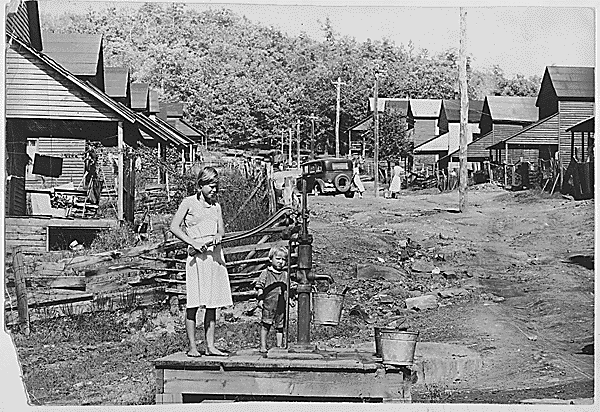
(206, 279)
(271, 286)
(356, 178)
(396, 183)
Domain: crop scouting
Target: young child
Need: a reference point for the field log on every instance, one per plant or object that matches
(199, 223)
(271, 286)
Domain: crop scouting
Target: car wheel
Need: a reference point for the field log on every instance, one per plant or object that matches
(342, 183)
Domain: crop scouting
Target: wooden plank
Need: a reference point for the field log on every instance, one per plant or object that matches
(293, 383)
(21, 290)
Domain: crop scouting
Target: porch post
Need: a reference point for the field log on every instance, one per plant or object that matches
(159, 157)
(120, 172)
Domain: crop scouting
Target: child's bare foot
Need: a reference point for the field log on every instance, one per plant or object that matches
(193, 353)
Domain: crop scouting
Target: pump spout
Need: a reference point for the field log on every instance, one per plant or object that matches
(312, 277)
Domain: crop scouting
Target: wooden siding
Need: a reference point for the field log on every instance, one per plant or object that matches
(18, 23)
(424, 130)
(72, 152)
(544, 133)
(504, 131)
(570, 113)
(32, 232)
(34, 90)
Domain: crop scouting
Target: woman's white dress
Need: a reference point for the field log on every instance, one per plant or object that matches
(395, 185)
(207, 280)
(356, 179)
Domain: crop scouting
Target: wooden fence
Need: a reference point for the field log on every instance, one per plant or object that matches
(140, 276)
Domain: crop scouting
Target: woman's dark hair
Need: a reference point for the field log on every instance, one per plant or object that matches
(207, 176)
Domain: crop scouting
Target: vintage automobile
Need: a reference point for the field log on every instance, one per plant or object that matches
(328, 176)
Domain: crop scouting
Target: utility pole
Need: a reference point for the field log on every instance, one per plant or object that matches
(376, 134)
(290, 148)
(312, 118)
(339, 84)
(464, 112)
(282, 138)
(298, 136)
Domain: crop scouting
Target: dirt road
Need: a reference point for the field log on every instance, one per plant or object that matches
(526, 310)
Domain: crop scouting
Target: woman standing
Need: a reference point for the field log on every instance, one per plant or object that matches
(199, 223)
(356, 178)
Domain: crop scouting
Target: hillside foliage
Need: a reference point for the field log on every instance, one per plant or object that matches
(244, 83)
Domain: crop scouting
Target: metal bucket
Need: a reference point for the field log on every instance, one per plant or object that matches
(378, 331)
(398, 348)
(327, 308)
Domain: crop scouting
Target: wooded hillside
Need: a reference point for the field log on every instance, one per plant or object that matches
(243, 82)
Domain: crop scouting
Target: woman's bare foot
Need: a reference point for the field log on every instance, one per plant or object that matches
(215, 352)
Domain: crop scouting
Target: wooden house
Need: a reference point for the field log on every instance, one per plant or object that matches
(140, 97)
(438, 147)
(81, 54)
(44, 99)
(172, 113)
(501, 118)
(422, 123)
(578, 179)
(423, 117)
(117, 84)
(568, 91)
(357, 136)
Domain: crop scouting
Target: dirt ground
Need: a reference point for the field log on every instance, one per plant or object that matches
(528, 312)
(502, 272)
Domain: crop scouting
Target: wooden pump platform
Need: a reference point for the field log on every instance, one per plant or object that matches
(341, 376)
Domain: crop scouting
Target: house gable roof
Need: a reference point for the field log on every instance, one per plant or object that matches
(384, 102)
(147, 125)
(363, 125)
(451, 108)
(568, 82)
(76, 52)
(425, 107)
(512, 108)
(154, 105)
(116, 80)
(139, 96)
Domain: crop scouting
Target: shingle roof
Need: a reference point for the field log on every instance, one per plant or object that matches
(384, 102)
(363, 125)
(512, 108)
(448, 141)
(115, 81)
(76, 52)
(171, 109)
(586, 125)
(146, 124)
(185, 128)
(139, 96)
(452, 109)
(425, 107)
(397, 105)
(571, 81)
(436, 144)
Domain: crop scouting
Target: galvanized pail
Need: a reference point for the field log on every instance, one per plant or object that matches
(378, 331)
(327, 308)
(398, 347)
